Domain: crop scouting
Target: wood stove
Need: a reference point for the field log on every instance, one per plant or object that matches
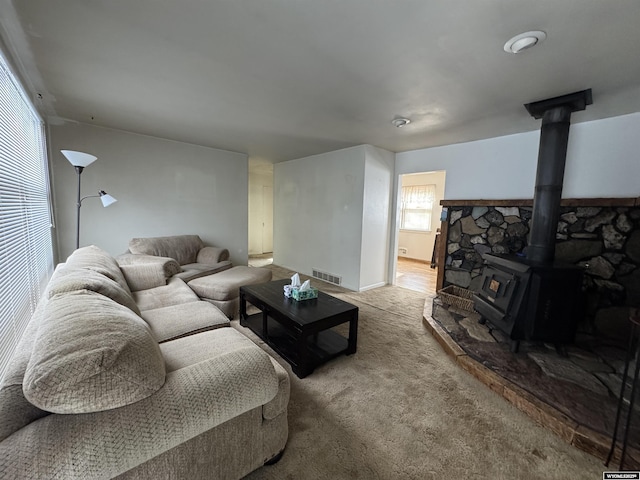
(529, 301)
(533, 297)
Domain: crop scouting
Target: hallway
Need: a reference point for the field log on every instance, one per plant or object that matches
(416, 275)
(260, 260)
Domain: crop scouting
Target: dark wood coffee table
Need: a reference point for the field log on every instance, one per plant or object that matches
(300, 331)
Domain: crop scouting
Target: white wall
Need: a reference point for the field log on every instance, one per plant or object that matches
(602, 161)
(376, 217)
(419, 245)
(318, 214)
(163, 188)
(320, 218)
(257, 182)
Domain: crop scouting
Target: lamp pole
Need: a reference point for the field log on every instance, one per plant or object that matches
(79, 204)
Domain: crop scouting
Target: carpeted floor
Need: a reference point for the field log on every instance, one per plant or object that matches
(400, 408)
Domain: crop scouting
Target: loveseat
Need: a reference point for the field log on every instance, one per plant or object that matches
(207, 270)
(107, 382)
(185, 256)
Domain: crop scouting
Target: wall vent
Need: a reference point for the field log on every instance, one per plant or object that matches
(327, 277)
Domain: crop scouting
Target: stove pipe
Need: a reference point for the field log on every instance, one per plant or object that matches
(552, 155)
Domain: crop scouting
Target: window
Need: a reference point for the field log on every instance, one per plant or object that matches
(417, 207)
(26, 251)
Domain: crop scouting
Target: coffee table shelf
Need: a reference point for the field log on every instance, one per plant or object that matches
(323, 347)
(301, 332)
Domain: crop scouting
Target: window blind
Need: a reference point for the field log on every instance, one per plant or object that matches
(26, 250)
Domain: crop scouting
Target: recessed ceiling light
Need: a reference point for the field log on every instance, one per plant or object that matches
(400, 122)
(524, 41)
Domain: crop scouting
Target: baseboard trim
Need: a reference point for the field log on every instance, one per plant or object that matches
(371, 287)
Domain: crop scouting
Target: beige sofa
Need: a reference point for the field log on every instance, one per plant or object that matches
(112, 383)
(185, 256)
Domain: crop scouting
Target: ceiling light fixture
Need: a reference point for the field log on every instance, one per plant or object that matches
(400, 122)
(524, 41)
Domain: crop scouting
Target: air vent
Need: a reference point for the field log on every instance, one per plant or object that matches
(327, 277)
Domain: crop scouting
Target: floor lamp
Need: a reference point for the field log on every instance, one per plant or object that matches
(80, 160)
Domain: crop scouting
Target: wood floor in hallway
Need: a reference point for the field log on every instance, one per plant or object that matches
(416, 275)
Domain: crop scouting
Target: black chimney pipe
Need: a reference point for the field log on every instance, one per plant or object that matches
(552, 155)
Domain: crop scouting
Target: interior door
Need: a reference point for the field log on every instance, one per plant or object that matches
(267, 219)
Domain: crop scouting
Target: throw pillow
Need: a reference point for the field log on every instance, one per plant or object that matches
(94, 258)
(91, 354)
(71, 280)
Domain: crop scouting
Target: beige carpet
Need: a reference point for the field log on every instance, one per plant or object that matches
(400, 408)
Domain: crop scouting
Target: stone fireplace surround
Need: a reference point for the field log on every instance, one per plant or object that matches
(601, 235)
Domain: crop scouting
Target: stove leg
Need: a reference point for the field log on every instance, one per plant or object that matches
(561, 350)
(275, 459)
(514, 346)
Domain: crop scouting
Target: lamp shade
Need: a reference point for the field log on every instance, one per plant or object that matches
(106, 198)
(79, 159)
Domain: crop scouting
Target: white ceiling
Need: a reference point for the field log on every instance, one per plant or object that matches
(283, 79)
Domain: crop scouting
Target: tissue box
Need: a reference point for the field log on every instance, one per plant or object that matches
(298, 294)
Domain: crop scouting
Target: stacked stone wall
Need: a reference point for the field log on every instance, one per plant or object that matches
(603, 240)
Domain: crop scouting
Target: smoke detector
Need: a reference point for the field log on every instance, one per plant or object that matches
(400, 122)
(524, 41)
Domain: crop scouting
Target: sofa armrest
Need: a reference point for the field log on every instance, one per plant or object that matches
(105, 444)
(279, 403)
(170, 265)
(212, 255)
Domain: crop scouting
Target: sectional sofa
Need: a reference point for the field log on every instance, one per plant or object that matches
(123, 373)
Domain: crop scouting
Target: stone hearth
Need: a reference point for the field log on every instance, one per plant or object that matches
(573, 391)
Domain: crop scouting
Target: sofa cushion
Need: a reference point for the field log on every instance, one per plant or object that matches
(191, 271)
(193, 349)
(94, 258)
(91, 354)
(71, 280)
(177, 321)
(143, 276)
(175, 292)
(183, 248)
(225, 285)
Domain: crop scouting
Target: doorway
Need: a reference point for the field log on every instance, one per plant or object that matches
(416, 275)
(267, 219)
(418, 222)
(260, 213)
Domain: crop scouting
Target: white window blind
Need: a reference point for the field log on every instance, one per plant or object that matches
(26, 251)
(417, 207)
